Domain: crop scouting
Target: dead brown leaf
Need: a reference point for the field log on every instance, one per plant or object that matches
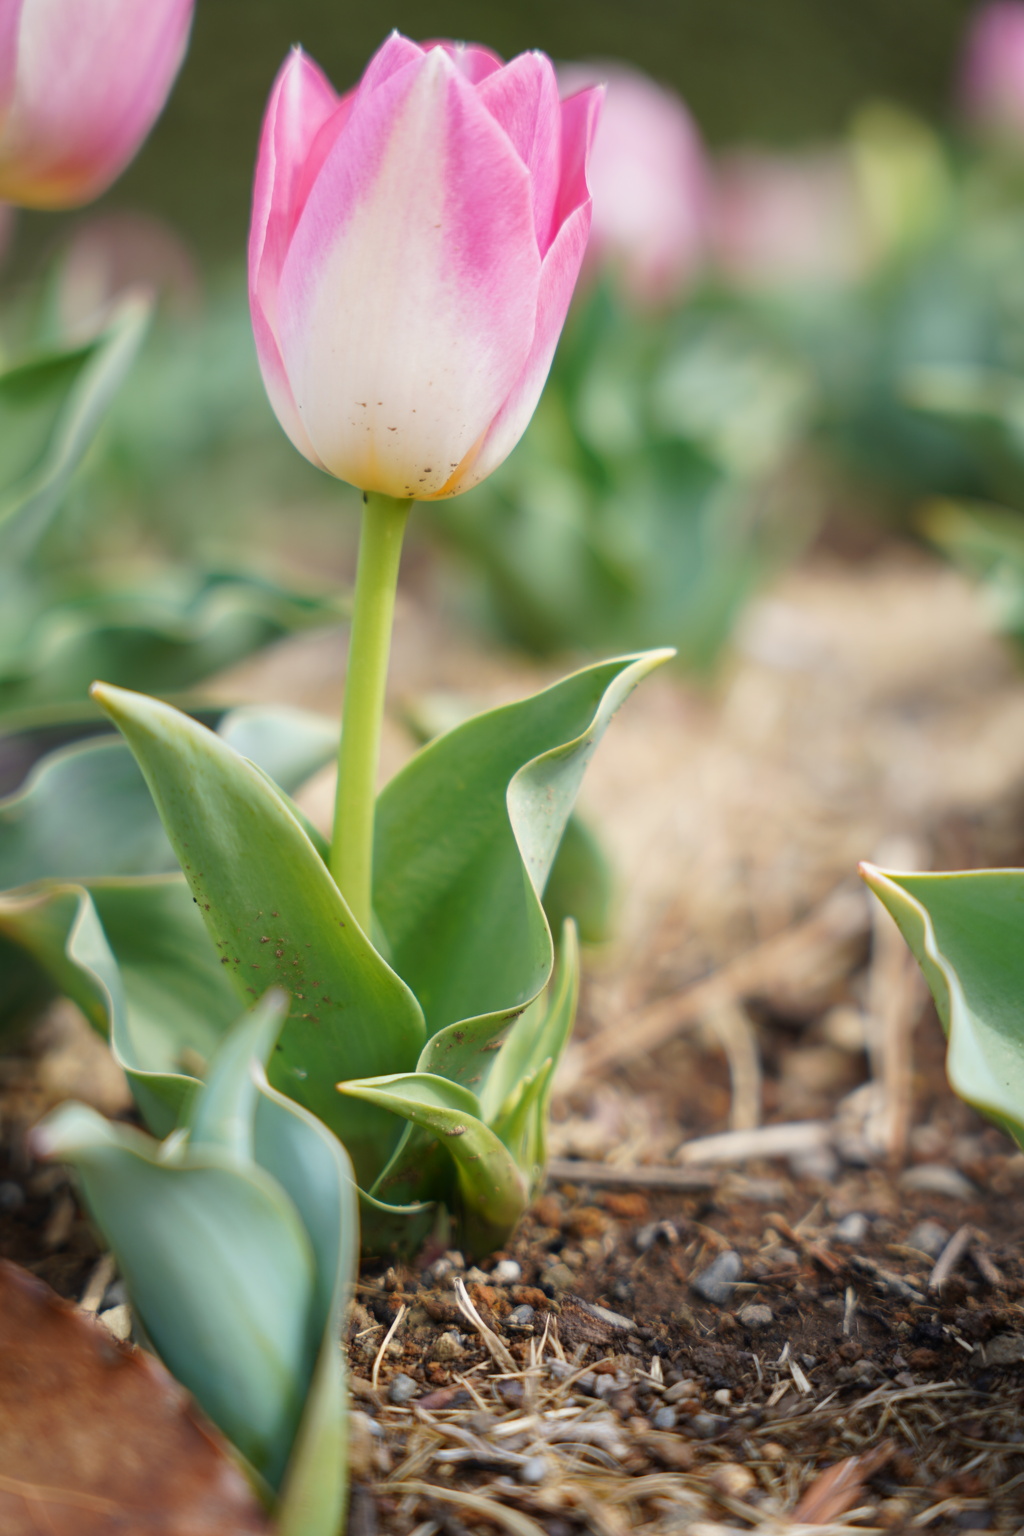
(96, 1439)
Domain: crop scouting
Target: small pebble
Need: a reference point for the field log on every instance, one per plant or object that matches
(930, 1236)
(533, 1470)
(448, 1347)
(853, 1229)
(402, 1389)
(716, 1283)
(707, 1425)
(1004, 1349)
(665, 1418)
(937, 1179)
(475, 1276)
(12, 1196)
(520, 1317)
(506, 1272)
(755, 1315)
(732, 1480)
(681, 1390)
(560, 1277)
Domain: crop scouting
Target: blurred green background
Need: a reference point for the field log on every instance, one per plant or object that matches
(771, 70)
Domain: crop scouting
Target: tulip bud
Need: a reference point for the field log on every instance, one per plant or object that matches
(81, 84)
(649, 181)
(413, 251)
(992, 71)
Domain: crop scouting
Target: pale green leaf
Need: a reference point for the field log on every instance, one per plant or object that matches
(967, 933)
(466, 836)
(276, 916)
(218, 1266)
(492, 1191)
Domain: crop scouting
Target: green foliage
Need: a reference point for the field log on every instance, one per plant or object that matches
(238, 1242)
(988, 544)
(967, 933)
(638, 509)
(87, 892)
(467, 835)
(50, 410)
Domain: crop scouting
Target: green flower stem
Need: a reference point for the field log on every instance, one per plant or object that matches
(380, 551)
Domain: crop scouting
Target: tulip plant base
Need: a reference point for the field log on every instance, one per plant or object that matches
(937, 1377)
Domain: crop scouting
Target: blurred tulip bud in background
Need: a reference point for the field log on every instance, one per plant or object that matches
(781, 220)
(992, 70)
(81, 84)
(414, 248)
(649, 180)
(112, 253)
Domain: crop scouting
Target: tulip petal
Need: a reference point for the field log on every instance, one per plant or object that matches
(407, 298)
(302, 103)
(474, 62)
(90, 77)
(523, 98)
(558, 278)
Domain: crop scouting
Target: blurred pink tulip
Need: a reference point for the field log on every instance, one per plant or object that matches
(992, 74)
(649, 180)
(786, 219)
(413, 251)
(81, 84)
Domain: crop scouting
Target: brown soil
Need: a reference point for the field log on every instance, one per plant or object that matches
(867, 714)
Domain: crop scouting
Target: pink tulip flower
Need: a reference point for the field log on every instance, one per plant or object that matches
(413, 251)
(992, 73)
(650, 184)
(81, 84)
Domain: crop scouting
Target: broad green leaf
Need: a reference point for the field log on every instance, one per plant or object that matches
(313, 1167)
(258, 1365)
(493, 1192)
(224, 1108)
(517, 1097)
(218, 1266)
(86, 811)
(967, 933)
(276, 916)
(53, 408)
(135, 957)
(466, 835)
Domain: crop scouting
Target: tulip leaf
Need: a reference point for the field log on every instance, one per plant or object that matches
(466, 835)
(966, 931)
(312, 1166)
(135, 957)
(276, 916)
(273, 1379)
(493, 1192)
(51, 409)
(517, 1097)
(224, 1108)
(85, 810)
(218, 1266)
